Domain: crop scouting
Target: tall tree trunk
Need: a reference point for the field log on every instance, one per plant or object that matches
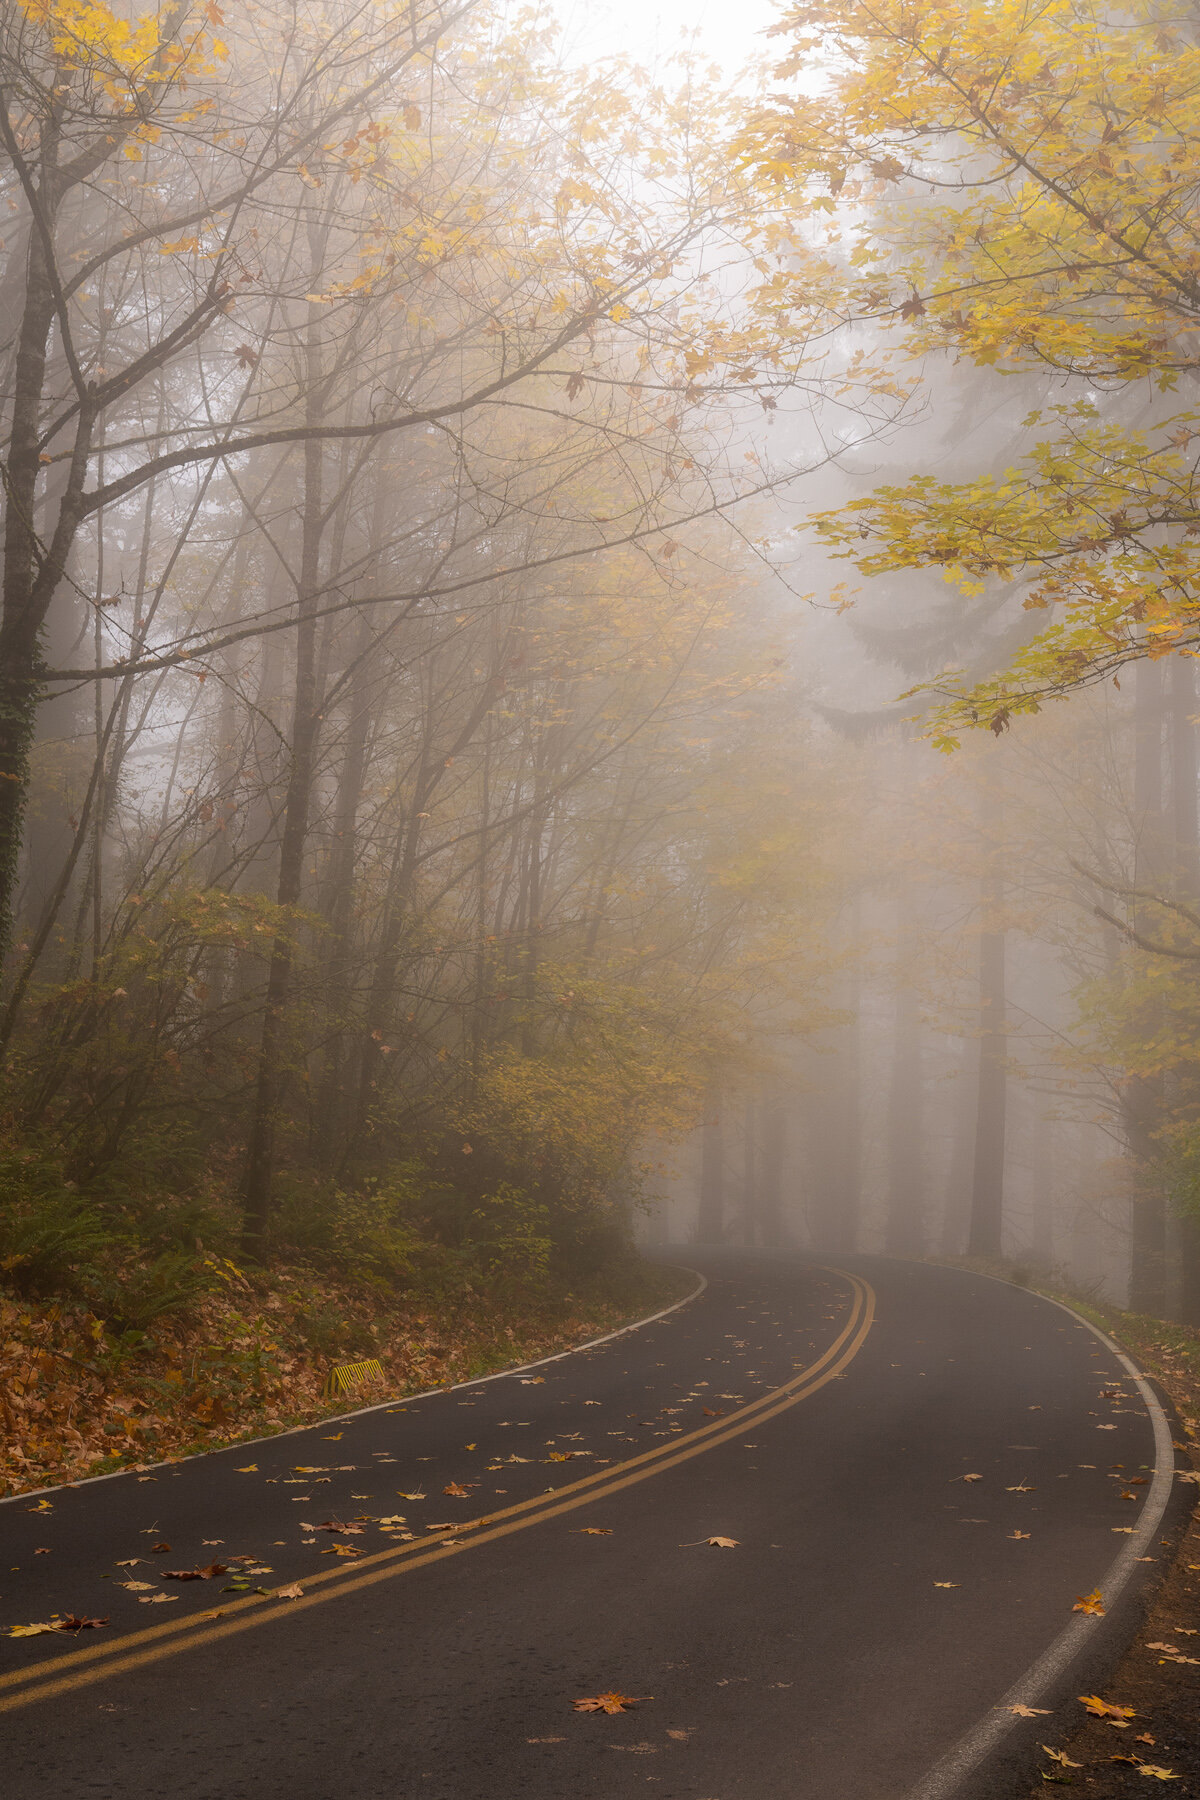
(1185, 859)
(772, 1142)
(904, 1235)
(710, 1222)
(305, 724)
(987, 1174)
(750, 1172)
(1142, 1098)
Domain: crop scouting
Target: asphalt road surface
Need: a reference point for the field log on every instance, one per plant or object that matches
(922, 1471)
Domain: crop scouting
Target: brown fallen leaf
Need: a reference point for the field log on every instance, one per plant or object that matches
(947, 1584)
(681, 1737)
(131, 1562)
(1173, 1648)
(968, 1478)
(1018, 1534)
(593, 1531)
(1104, 1709)
(41, 1553)
(610, 1703)
(293, 1591)
(207, 1574)
(717, 1543)
(136, 1587)
(160, 1549)
(456, 1492)
(1090, 1603)
(342, 1550)
(156, 1599)
(74, 1622)
(1030, 1712)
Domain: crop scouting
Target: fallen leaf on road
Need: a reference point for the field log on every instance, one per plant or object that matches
(1061, 1758)
(546, 1740)
(131, 1562)
(417, 1496)
(393, 1519)
(1018, 1534)
(681, 1737)
(41, 1553)
(1022, 1487)
(947, 1584)
(1090, 1603)
(1173, 1648)
(293, 1591)
(250, 1469)
(160, 1549)
(156, 1599)
(455, 1491)
(32, 1630)
(594, 1531)
(76, 1622)
(1157, 1773)
(968, 1477)
(196, 1574)
(335, 1439)
(342, 1550)
(610, 1703)
(1030, 1712)
(137, 1587)
(1104, 1709)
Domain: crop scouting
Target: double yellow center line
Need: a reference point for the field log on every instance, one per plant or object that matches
(78, 1668)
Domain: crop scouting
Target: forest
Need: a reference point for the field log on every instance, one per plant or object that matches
(588, 653)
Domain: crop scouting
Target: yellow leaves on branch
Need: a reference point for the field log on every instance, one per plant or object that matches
(126, 56)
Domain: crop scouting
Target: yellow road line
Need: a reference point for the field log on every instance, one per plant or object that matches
(62, 1674)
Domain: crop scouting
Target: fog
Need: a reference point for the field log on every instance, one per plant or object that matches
(451, 784)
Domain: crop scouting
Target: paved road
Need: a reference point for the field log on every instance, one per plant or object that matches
(877, 1604)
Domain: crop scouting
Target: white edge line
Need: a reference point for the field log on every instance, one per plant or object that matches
(946, 1775)
(382, 1406)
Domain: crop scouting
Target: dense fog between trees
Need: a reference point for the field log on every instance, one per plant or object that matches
(592, 652)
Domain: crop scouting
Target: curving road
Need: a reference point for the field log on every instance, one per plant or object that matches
(922, 1471)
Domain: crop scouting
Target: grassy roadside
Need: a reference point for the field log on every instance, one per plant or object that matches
(79, 1399)
(1157, 1678)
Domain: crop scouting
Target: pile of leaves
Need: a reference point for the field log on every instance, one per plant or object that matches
(80, 1398)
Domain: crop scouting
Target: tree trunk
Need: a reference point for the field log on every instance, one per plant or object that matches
(987, 1175)
(710, 1223)
(1142, 1098)
(904, 1235)
(260, 1156)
